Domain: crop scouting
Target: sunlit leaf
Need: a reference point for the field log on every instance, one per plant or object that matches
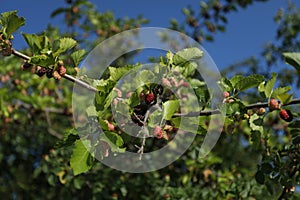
(117, 73)
(42, 60)
(169, 108)
(81, 158)
(114, 140)
(10, 22)
(270, 85)
(285, 98)
(77, 57)
(280, 91)
(37, 43)
(188, 54)
(65, 44)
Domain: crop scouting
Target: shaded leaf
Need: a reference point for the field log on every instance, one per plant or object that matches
(260, 177)
(256, 138)
(248, 82)
(296, 140)
(293, 59)
(295, 124)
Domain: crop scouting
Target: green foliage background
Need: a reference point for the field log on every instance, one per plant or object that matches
(255, 158)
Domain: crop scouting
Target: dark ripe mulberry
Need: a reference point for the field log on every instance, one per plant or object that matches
(26, 66)
(150, 98)
(49, 73)
(140, 109)
(138, 119)
(41, 71)
(286, 115)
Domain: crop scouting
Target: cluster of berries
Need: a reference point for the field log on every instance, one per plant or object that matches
(274, 104)
(5, 45)
(284, 114)
(57, 72)
(146, 101)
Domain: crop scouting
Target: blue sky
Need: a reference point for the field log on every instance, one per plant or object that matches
(247, 30)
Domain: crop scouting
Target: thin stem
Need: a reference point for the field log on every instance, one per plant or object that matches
(19, 54)
(80, 82)
(217, 111)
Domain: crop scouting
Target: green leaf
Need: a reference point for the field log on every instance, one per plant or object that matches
(296, 140)
(295, 124)
(10, 23)
(285, 98)
(110, 97)
(189, 69)
(266, 168)
(235, 79)
(155, 119)
(187, 54)
(37, 43)
(69, 139)
(117, 73)
(65, 44)
(256, 138)
(77, 57)
(255, 123)
(169, 108)
(196, 83)
(134, 100)
(293, 59)
(42, 60)
(91, 111)
(260, 177)
(114, 141)
(235, 107)
(248, 82)
(81, 158)
(225, 85)
(280, 91)
(270, 85)
(261, 89)
(146, 76)
(192, 124)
